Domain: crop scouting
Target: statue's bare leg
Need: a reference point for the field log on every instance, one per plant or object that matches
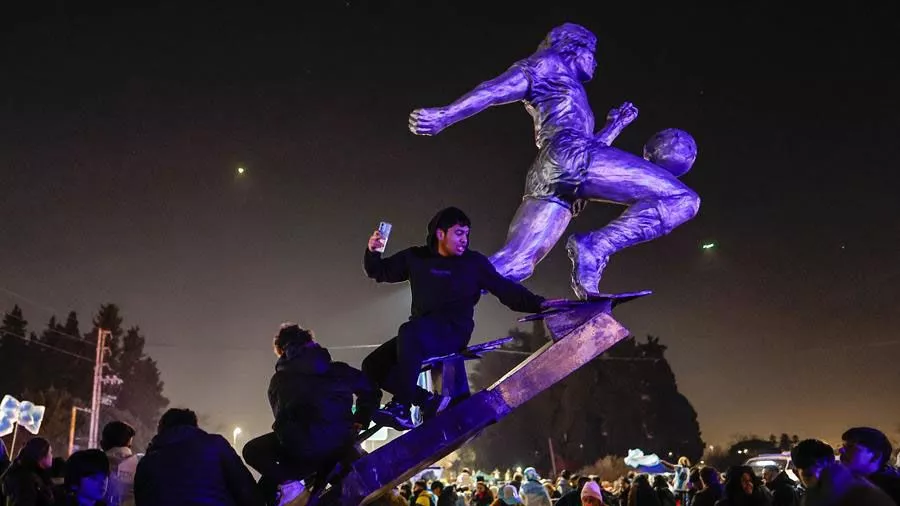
(657, 203)
(534, 230)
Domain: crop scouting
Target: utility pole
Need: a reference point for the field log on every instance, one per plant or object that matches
(75, 410)
(98, 387)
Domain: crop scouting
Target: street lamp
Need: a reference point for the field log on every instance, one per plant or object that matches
(234, 435)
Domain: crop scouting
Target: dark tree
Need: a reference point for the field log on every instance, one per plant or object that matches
(627, 398)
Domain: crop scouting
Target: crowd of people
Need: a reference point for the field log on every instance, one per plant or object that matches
(858, 473)
(316, 425)
(183, 465)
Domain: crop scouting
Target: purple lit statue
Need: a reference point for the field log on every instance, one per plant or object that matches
(575, 165)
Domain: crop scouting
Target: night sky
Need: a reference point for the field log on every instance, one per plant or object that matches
(121, 131)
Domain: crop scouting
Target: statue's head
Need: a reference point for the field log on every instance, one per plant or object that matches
(576, 44)
(672, 149)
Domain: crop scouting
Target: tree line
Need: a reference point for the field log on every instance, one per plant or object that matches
(54, 367)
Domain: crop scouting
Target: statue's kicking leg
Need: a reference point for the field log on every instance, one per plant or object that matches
(534, 230)
(657, 203)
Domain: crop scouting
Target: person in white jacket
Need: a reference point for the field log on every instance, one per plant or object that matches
(116, 442)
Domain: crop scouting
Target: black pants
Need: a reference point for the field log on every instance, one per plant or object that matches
(395, 365)
(268, 456)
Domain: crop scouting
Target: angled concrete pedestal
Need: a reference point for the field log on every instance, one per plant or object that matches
(580, 333)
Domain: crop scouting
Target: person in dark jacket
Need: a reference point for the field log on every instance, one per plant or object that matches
(186, 466)
(27, 480)
(642, 493)
(743, 488)
(711, 487)
(482, 495)
(86, 480)
(312, 401)
(446, 279)
(661, 486)
(867, 453)
(446, 495)
(783, 489)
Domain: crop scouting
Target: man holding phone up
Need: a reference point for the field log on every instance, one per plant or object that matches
(446, 279)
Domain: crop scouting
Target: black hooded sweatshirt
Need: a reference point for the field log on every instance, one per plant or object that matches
(448, 288)
(312, 400)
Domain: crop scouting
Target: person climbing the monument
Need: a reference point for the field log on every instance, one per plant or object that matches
(574, 164)
(446, 279)
(312, 400)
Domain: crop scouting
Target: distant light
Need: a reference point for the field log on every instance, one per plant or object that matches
(708, 245)
(240, 170)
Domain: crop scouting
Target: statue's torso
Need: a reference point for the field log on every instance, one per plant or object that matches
(556, 99)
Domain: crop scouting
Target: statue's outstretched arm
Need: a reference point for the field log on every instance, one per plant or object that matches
(616, 121)
(510, 86)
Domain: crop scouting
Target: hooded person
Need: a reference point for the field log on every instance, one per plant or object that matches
(508, 496)
(591, 495)
(312, 400)
(532, 490)
(446, 279)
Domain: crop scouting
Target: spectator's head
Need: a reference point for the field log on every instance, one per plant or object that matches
(518, 478)
(480, 486)
(740, 481)
(659, 481)
(865, 450)
(290, 336)
(437, 487)
(770, 473)
(811, 457)
(710, 478)
(591, 494)
(509, 495)
(176, 417)
(565, 474)
(467, 470)
(694, 481)
(116, 434)
(684, 461)
(419, 486)
(36, 453)
(531, 474)
(87, 474)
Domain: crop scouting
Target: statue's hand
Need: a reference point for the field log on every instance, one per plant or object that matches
(429, 121)
(623, 115)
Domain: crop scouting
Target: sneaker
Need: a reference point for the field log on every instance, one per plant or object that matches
(434, 405)
(587, 267)
(292, 493)
(394, 415)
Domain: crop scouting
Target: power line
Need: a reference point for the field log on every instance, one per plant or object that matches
(45, 345)
(52, 311)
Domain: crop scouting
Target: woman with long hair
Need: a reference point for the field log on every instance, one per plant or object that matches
(27, 481)
(743, 488)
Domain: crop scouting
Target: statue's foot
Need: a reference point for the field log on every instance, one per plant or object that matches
(587, 266)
